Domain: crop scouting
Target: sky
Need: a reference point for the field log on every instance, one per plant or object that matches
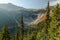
(35, 4)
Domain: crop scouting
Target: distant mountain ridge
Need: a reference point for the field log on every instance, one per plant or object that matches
(10, 14)
(10, 6)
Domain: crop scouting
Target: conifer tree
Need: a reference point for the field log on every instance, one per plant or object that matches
(17, 34)
(47, 21)
(55, 24)
(21, 28)
(43, 34)
(5, 33)
(29, 33)
(48, 18)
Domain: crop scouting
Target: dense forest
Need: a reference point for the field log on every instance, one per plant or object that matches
(49, 29)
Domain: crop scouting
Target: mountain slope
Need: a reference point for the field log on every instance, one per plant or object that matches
(10, 15)
(10, 7)
(40, 18)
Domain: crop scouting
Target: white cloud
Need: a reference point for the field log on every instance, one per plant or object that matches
(4, 1)
(54, 2)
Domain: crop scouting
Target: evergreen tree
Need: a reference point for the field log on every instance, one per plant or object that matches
(41, 31)
(29, 33)
(17, 34)
(43, 34)
(47, 18)
(47, 21)
(5, 33)
(21, 28)
(55, 24)
(33, 35)
(51, 30)
(0, 35)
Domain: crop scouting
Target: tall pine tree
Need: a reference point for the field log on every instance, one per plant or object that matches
(55, 24)
(47, 21)
(44, 26)
(5, 33)
(21, 28)
(29, 33)
(17, 34)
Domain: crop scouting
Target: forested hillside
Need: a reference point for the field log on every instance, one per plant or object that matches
(47, 29)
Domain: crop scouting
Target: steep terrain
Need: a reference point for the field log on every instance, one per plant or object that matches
(41, 17)
(10, 15)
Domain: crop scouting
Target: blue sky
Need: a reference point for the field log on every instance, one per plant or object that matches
(31, 3)
(36, 4)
